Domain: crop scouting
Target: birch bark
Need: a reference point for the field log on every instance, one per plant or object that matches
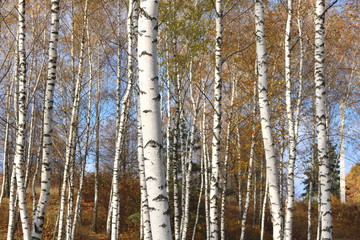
(215, 158)
(4, 190)
(97, 155)
(145, 217)
(20, 136)
(271, 170)
(115, 202)
(78, 203)
(249, 176)
(70, 147)
(39, 214)
(321, 126)
(227, 155)
(342, 151)
(290, 119)
(150, 117)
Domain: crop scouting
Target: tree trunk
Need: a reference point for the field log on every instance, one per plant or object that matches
(70, 147)
(4, 190)
(263, 212)
(78, 203)
(290, 118)
(97, 155)
(271, 170)
(20, 136)
(187, 175)
(145, 217)
(151, 122)
(39, 214)
(321, 115)
(249, 176)
(227, 155)
(115, 202)
(215, 158)
(342, 152)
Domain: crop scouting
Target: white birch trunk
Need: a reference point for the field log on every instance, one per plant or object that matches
(227, 155)
(290, 118)
(78, 203)
(185, 219)
(321, 126)
(150, 117)
(271, 170)
(6, 140)
(115, 202)
(176, 160)
(202, 176)
(249, 176)
(12, 206)
(39, 213)
(70, 147)
(168, 130)
(20, 136)
(301, 66)
(97, 155)
(263, 212)
(318, 231)
(206, 166)
(145, 217)
(215, 158)
(342, 152)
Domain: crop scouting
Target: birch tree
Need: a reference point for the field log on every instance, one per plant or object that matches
(20, 135)
(271, 170)
(250, 173)
(290, 119)
(215, 158)
(39, 214)
(70, 147)
(321, 127)
(115, 204)
(150, 117)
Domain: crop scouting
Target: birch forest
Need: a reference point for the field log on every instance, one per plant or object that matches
(180, 120)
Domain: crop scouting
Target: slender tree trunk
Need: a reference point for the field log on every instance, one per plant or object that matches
(12, 206)
(321, 115)
(176, 160)
(250, 173)
(202, 176)
(290, 118)
(342, 152)
(78, 203)
(4, 190)
(309, 211)
(263, 212)
(206, 165)
(36, 173)
(145, 217)
(20, 136)
(150, 117)
(227, 155)
(70, 147)
(97, 155)
(240, 173)
(318, 232)
(39, 214)
(168, 130)
(118, 103)
(115, 202)
(215, 158)
(271, 170)
(185, 219)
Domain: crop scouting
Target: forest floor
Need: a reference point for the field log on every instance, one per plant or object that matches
(346, 220)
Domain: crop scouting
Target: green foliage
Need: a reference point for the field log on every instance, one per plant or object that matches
(312, 172)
